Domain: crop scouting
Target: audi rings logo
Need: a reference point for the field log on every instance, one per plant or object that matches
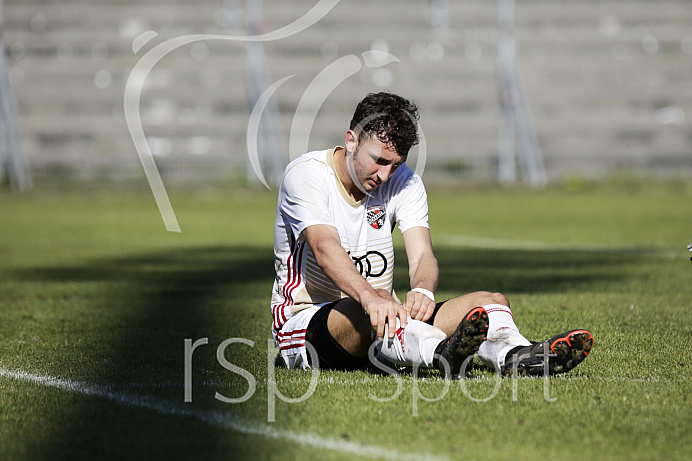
(324, 83)
(367, 263)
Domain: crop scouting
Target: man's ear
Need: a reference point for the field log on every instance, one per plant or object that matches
(351, 142)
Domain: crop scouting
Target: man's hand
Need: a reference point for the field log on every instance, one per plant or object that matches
(382, 310)
(419, 306)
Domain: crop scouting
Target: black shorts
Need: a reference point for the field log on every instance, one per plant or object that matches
(332, 356)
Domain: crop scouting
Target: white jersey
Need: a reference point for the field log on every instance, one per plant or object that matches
(311, 193)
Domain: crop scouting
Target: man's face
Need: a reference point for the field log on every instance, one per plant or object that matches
(374, 163)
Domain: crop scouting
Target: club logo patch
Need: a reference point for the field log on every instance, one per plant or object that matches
(376, 216)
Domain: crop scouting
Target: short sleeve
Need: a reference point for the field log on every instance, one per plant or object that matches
(410, 201)
(305, 197)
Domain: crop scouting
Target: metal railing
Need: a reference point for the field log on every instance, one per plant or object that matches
(515, 121)
(13, 164)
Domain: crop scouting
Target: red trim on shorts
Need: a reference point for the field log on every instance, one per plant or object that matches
(287, 340)
(283, 334)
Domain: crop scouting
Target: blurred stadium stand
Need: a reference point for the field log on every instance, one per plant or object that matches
(609, 84)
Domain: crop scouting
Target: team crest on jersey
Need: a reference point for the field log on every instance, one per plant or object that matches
(376, 216)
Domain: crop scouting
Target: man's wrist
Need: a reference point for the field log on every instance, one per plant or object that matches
(365, 298)
(425, 292)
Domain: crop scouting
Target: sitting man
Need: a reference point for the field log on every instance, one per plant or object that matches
(334, 262)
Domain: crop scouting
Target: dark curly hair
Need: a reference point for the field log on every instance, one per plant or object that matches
(393, 119)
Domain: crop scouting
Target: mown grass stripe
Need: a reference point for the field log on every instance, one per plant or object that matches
(467, 241)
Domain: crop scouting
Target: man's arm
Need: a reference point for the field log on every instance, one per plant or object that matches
(423, 272)
(338, 266)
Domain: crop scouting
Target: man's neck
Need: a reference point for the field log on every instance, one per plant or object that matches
(341, 167)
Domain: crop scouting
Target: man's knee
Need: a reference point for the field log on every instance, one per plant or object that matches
(350, 326)
(493, 298)
(349, 311)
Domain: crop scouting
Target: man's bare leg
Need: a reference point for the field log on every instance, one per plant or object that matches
(454, 310)
(416, 345)
(350, 326)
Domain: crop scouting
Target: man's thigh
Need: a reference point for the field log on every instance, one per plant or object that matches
(340, 334)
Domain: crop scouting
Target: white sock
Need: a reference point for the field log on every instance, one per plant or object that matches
(413, 345)
(503, 335)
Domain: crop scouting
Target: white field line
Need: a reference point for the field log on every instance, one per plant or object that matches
(216, 418)
(467, 241)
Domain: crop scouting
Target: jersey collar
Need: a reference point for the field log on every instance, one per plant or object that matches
(339, 185)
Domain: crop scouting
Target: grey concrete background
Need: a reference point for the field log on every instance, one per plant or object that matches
(609, 83)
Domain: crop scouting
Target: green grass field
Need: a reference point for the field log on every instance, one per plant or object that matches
(97, 300)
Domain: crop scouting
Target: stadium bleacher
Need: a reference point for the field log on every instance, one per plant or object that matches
(609, 84)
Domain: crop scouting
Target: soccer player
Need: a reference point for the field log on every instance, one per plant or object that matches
(334, 262)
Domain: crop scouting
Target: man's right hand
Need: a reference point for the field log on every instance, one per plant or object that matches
(338, 266)
(384, 310)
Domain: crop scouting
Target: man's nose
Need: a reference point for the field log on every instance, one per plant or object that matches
(384, 172)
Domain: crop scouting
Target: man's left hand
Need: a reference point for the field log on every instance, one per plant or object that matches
(419, 306)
